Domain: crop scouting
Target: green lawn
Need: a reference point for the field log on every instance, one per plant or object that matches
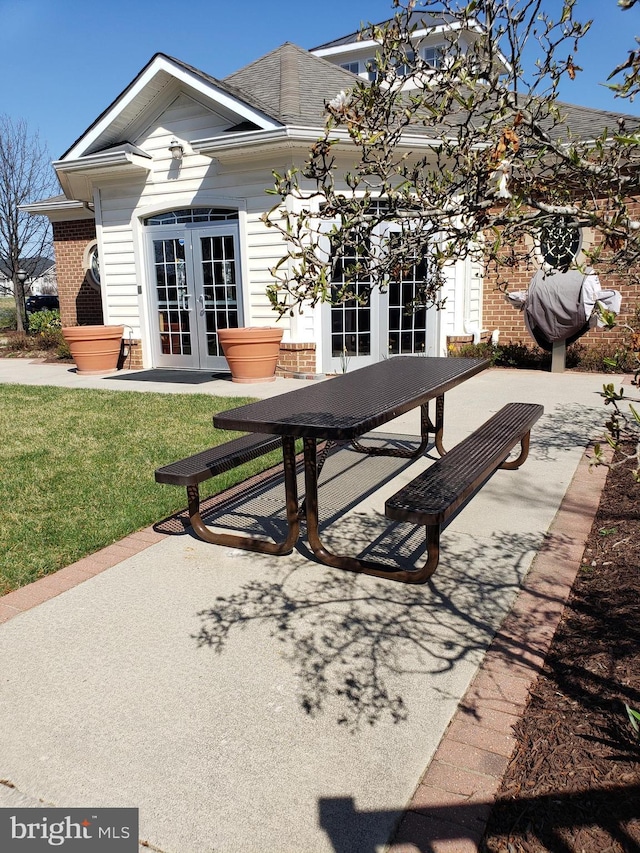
(76, 469)
(7, 312)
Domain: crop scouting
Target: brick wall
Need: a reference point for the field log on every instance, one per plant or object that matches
(499, 314)
(80, 302)
(131, 355)
(297, 359)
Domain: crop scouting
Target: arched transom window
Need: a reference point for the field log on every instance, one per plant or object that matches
(191, 215)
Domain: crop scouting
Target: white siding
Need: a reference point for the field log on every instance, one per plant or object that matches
(172, 184)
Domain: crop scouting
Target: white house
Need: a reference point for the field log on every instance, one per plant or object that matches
(160, 229)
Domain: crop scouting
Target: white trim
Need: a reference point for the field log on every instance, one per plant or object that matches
(104, 159)
(190, 79)
(142, 287)
(184, 200)
(97, 206)
(369, 44)
(77, 177)
(61, 205)
(289, 137)
(246, 308)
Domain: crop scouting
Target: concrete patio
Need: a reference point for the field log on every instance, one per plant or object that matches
(252, 703)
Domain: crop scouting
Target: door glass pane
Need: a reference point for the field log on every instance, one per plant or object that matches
(350, 318)
(219, 288)
(407, 316)
(172, 297)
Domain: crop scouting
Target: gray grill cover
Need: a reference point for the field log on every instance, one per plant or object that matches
(554, 308)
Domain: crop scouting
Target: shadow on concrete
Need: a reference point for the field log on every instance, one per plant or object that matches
(426, 830)
(353, 641)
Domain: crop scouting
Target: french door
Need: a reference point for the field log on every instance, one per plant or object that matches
(376, 324)
(195, 283)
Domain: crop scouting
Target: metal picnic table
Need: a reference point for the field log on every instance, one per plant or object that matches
(342, 409)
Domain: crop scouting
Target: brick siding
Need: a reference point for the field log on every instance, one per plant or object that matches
(499, 314)
(80, 302)
(297, 359)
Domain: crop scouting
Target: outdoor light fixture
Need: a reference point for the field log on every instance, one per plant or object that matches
(22, 275)
(176, 149)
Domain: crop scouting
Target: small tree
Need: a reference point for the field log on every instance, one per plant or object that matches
(25, 176)
(473, 155)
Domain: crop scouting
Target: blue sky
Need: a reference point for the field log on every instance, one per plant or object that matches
(64, 61)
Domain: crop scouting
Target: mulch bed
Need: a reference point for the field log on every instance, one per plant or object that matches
(573, 783)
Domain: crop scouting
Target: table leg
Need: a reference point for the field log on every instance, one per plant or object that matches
(250, 543)
(426, 427)
(355, 564)
(439, 426)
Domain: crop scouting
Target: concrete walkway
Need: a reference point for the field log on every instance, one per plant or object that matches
(251, 703)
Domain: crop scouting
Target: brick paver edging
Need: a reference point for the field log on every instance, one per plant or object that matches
(450, 807)
(48, 587)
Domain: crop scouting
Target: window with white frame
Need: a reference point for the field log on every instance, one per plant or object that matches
(91, 264)
(192, 215)
(371, 67)
(354, 67)
(404, 68)
(434, 55)
(407, 312)
(350, 317)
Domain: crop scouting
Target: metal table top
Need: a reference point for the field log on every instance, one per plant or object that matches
(351, 404)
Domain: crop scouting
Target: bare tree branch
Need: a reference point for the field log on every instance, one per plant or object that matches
(25, 176)
(469, 159)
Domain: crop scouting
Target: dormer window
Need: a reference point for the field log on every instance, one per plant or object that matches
(434, 56)
(404, 68)
(354, 67)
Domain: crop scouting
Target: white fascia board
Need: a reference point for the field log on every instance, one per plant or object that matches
(103, 160)
(59, 211)
(289, 137)
(44, 206)
(77, 176)
(215, 145)
(210, 91)
(371, 44)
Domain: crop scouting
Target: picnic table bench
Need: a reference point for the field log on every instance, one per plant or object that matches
(193, 470)
(435, 496)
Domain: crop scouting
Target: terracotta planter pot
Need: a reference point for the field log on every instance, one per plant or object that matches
(251, 352)
(95, 349)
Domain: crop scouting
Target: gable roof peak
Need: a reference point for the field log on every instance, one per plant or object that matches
(279, 77)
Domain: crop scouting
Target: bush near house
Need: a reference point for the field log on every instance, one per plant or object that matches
(44, 337)
(606, 357)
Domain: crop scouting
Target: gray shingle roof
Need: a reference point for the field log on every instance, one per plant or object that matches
(589, 123)
(34, 266)
(248, 96)
(292, 83)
